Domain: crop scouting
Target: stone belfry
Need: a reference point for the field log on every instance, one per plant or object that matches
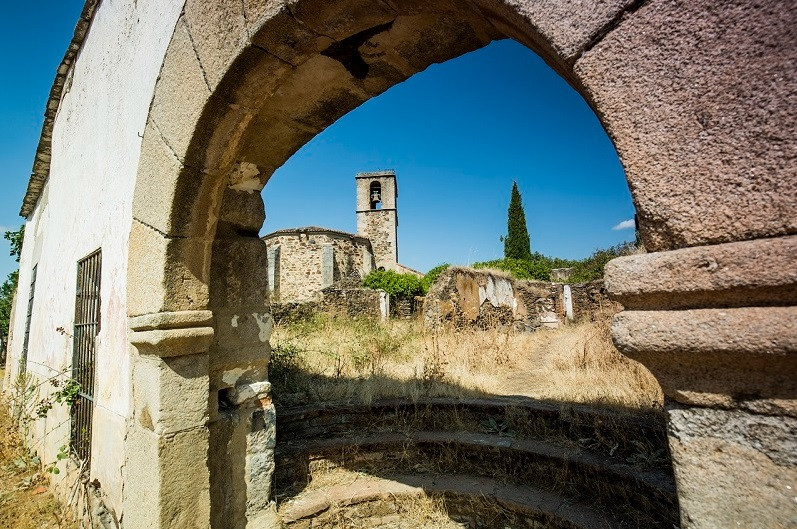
(377, 218)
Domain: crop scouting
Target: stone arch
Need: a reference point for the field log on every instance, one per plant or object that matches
(244, 84)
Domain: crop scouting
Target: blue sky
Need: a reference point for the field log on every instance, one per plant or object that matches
(457, 135)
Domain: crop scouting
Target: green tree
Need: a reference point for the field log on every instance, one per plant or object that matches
(516, 242)
(15, 238)
(9, 286)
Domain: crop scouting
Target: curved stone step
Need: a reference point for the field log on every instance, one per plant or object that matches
(610, 431)
(533, 505)
(639, 494)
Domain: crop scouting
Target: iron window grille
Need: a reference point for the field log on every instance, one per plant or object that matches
(87, 326)
(24, 360)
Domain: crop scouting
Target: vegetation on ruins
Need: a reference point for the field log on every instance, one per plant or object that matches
(516, 242)
(538, 266)
(399, 286)
(431, 276)
(9, 286)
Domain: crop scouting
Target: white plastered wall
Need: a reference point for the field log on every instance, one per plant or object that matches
(87, 204)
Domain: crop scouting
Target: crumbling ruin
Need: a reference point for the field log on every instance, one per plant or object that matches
(485, 298)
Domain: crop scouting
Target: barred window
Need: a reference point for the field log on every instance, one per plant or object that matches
(87, 326)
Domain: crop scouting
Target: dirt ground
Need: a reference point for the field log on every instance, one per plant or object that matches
(25, 498)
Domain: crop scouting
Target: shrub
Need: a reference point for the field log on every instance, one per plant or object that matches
(397, 285)
(431, 276)
(538, 267)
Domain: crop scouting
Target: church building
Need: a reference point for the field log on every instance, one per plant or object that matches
(303, 261)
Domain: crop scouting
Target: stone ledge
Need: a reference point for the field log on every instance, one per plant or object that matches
(173, 342)
(753, 330)
(171, 320)
(737, 274)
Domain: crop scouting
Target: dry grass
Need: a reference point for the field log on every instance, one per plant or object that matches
(399, 512)
(25, 499)
(338, 358)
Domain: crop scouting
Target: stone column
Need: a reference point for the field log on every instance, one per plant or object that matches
(717, 326)
(242, 416)
(167, 479)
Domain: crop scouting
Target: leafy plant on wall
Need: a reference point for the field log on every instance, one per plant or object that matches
(399, 286)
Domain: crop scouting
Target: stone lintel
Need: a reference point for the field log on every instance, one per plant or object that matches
(737, 274)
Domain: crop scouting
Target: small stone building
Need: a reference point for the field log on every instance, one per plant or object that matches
(304, 261)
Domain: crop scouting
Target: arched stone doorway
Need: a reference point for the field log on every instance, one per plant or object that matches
(694, 96)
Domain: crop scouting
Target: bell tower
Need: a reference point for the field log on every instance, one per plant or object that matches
(377, 218)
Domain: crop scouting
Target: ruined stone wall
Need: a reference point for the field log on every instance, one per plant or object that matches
(591, 299)
(355, 302)
(484, 298)
(302, 271)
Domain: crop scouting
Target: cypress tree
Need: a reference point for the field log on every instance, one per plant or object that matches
(516, 242)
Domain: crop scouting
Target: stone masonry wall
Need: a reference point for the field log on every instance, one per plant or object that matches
(380, 227)
(355, 302)
(301, 261)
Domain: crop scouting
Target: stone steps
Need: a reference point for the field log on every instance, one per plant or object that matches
(530, 506)
(618, 432)
(579, 456)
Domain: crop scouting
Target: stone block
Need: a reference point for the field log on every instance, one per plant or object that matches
(733, 469)
(414, 42)
(166, 274)
(327, 265)
(559, 30)
(732, 358)
(171, 320)
(317, 93)
(274, 271)
(699, 100)
(239, 273)
(170, 394)
(752, 330)
(167, 479)
(175, 199)
(158, 171)
(261, 441)
(238, 328)
(252, 78)
(342, 19)
(227, 463)
(738, 274)
(243, 209)
(276, 30)
(271, 141)
(218, 32)
(181, 93)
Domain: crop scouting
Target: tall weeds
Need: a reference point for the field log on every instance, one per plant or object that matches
(339, 358)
